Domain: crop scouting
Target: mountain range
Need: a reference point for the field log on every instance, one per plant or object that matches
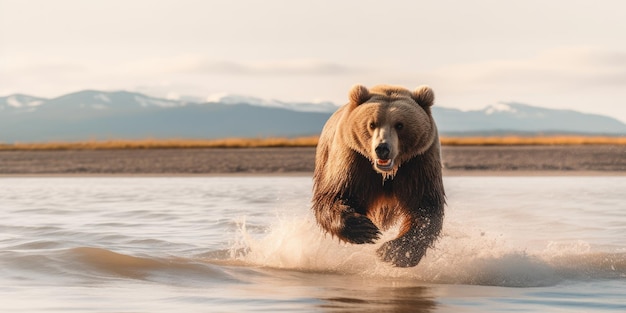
(97, 115)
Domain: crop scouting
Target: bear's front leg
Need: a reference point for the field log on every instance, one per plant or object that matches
(408, 249)
(341, 220)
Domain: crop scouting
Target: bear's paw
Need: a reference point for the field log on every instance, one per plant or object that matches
(359, 229)
(401, 253)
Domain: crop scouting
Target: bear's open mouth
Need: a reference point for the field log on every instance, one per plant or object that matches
(384, 164)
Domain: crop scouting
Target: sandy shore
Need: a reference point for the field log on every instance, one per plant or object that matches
(494, 160)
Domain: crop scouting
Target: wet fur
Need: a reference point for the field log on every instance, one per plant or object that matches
(354, 202)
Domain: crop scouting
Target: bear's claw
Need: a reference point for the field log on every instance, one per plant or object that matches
(400, 255)
(359, 229)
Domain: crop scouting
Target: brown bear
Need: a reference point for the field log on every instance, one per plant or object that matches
(378, 162)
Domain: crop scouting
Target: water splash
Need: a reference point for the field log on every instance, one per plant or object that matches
(461, 256)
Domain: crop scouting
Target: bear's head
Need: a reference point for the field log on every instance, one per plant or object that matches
(389, 125)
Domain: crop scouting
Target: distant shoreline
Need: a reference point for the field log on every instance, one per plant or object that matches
(446, 173)
(580, 160)
(310, 141)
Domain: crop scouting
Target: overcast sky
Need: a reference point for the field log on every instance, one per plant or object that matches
(558, 54)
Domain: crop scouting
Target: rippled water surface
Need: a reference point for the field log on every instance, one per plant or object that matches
(243, 244)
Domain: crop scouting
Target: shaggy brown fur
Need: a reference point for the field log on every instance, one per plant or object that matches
(378, 162)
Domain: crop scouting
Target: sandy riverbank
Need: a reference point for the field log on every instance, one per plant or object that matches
(491, 160)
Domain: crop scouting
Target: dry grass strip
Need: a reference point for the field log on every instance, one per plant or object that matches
(300, 142)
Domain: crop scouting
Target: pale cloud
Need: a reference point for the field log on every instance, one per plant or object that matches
(554, 70)
(42, 78)
(278, 68)
(47, 68)
(579, 78)
(199, 65)
(185, 75)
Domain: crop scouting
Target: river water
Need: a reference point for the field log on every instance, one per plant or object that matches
(250, 244)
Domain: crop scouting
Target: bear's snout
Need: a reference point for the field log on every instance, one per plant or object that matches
(382, 151)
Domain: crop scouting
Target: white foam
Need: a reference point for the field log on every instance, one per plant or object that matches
(461, 256)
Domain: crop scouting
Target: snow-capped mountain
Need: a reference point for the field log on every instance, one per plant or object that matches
(86, 100)
(92, 114)
(224, 98)
(100, 100)
(20, 102)
(517, 117)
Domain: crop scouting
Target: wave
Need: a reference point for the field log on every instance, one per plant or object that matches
(461, 256)
(295, 244)
(102, 263)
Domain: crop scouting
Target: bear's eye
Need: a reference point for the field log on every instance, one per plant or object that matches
(399, 126)
(372, 125)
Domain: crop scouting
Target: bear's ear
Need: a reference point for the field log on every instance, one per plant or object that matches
(424, 96)
(359, 94)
